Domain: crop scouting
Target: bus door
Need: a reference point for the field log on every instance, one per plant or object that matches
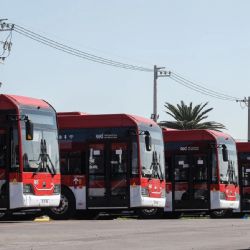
(108, 175)
(245, 186)
(191, 187)
(4, 183)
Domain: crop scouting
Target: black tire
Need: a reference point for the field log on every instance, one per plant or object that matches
(5, 215)
(220, 213)
(150, 213)
(66, 208)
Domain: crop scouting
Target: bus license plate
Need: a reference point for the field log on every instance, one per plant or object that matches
(45, 201)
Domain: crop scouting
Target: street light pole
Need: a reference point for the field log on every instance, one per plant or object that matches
(158, 72)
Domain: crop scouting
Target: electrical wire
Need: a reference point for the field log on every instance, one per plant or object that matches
(201, 90)
(67, 49)
(204, 88)
(94, 58)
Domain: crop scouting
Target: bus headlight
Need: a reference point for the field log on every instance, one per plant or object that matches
(222, 196)
(144, 192)
(57, 189)
(27, 189)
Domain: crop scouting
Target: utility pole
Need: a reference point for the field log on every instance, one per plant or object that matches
(7, 44)
(158, 72)
(246, 101)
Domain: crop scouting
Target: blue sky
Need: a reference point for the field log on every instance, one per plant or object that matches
(205, 41)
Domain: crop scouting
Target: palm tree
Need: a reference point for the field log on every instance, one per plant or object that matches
(189, 117)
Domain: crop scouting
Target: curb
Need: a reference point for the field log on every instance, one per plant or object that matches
(42, 219)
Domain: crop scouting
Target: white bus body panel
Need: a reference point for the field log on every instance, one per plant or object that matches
(80, 197)
(20, 200)
(217, 203)
(137, 200)
(169, 202)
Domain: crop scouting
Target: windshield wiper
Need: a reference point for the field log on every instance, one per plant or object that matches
(231, 173)
(156, 167)
(44, 158)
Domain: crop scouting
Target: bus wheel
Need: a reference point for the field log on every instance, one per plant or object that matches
(5, 215)
(150, 213)
(66, 208)
(221, 213)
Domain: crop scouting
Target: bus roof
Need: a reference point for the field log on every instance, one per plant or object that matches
(192, 134)
(83, 120)
(243, 146)
(24, 101)
(70, 113)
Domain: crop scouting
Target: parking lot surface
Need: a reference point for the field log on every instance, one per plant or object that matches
(119, 234)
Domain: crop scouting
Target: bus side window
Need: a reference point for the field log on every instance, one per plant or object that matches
(135, 167)
(181, 172)
(168, 168)
(75, 162)
(245, 174)
(72, 163)
(64, 163)
(214, 166)
(3, 149)
(200, 167)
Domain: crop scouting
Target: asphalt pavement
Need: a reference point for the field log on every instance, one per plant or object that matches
(126, 233)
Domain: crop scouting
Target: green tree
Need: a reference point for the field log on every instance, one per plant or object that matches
(189, 117)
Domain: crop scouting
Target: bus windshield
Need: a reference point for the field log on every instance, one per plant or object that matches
(42, 153)
(152, 161)
(228, 169)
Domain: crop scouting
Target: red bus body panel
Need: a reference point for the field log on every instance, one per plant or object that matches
(42, 183)
(80, 120)
(174, 135)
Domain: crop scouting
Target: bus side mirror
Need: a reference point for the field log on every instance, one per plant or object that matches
(224, 153)
(29, 130)
(148, 141)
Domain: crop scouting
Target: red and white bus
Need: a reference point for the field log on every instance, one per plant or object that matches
(201, 172)
(110, 162)
(243, 149)
(29, 154)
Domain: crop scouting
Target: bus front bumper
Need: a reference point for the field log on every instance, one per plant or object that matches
(30, 200)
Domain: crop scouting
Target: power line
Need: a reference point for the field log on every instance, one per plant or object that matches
(67, 49)
(204, 88)
(199, 88)
(94, 58)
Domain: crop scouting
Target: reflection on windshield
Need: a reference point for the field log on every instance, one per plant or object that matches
(228, 169)
(152, 161)
(41, 154)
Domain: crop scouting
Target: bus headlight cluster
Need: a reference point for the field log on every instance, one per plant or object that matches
(222, 196)
(144, 192)
(27, 189)
(57, 189)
